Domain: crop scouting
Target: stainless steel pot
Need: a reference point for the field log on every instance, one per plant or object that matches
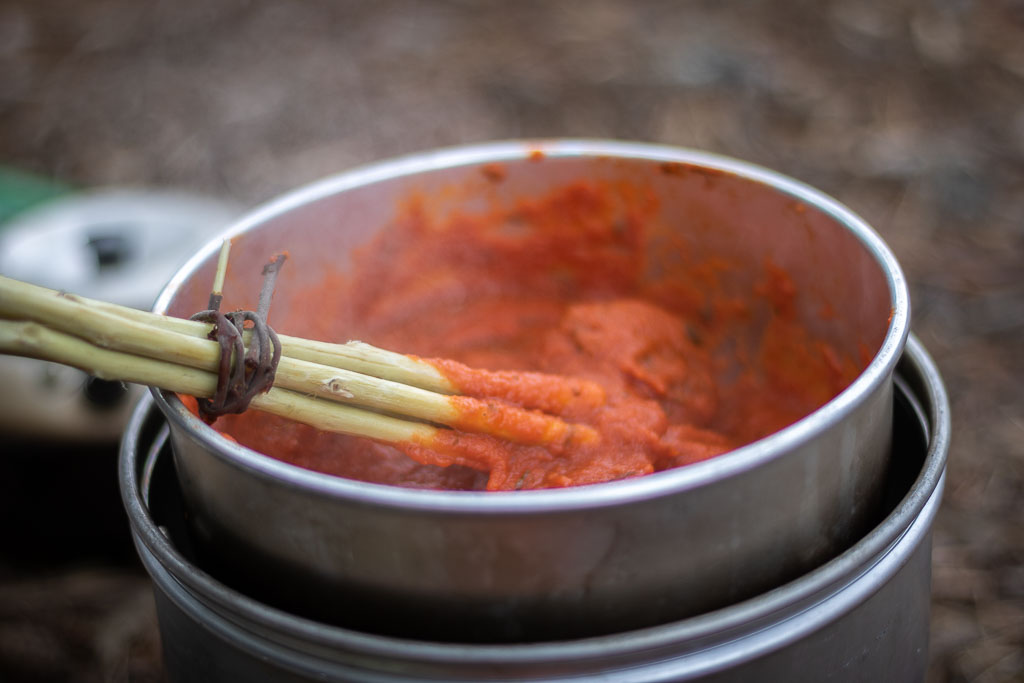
(559, 563)
(860, 617)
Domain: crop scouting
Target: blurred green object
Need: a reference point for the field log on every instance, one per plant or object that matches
(20, 191)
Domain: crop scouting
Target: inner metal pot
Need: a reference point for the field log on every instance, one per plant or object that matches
(534, 565)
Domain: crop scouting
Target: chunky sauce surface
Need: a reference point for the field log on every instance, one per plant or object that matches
(571, 284)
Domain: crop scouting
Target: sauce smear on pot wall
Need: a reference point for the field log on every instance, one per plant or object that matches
(582, 282)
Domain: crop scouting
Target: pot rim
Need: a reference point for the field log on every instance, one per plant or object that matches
(748, 457)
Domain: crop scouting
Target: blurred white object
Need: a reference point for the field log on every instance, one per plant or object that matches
(118, 245)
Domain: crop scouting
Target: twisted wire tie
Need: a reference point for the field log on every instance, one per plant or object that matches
(242, 373)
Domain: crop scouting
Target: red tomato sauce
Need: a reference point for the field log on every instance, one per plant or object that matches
(668, 366)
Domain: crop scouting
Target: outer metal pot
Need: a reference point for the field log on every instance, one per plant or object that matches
(571, 562)
(861, 617)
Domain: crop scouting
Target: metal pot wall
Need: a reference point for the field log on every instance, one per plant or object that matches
(558, 563)
(861, 617)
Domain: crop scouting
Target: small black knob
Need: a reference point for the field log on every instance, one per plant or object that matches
(110, 249)
(104, 394)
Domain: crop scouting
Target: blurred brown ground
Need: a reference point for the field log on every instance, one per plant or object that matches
(911, 113)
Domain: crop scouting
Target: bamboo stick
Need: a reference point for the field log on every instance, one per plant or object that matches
(34, 340)
(105, 326)
(76, 316)
(354, 355)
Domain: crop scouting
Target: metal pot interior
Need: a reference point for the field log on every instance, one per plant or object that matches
(588, 559)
